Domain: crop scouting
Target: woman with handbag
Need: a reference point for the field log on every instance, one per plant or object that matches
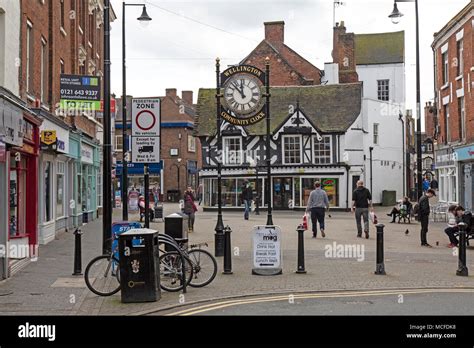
(190, 207)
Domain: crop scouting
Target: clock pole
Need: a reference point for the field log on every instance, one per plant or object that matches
(219, 235)
(268, 155)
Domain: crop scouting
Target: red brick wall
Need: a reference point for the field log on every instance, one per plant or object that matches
(430, 120)
(454, 119)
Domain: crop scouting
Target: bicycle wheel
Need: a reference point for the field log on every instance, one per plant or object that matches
(171, 271)
(204, 267)
(102, 275)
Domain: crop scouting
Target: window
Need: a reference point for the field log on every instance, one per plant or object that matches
(91, 28)
(322, 150)
(29, 57)
(429, 147)
(445, 65)
(60, 189)
(62, 13)
(44, 69)
(291, 149)
(232, 150)
(191, 143)
(462, 118)
(383, 92)
(376, 133)
(446, 124)
(460, 49)
(118, 143)
(82, 15)
(427, 163)
(47, 191)
(61, 66)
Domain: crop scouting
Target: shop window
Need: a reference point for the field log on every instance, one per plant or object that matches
(17, 197)
(322, 150)
(292, 149)
(330, 185)
(228, 192)
(60, 189)
(232, 150)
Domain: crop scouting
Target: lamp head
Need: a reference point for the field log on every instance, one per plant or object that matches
(144, 19)
(396, 15)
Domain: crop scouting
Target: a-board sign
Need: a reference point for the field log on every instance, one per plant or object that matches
(266, 250)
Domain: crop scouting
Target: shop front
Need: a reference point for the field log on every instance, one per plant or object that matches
(446, 165)
(291, 187)
(87, 175)
(54, 192)
(465, 158)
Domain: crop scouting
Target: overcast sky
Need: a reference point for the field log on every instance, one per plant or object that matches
(179, 46)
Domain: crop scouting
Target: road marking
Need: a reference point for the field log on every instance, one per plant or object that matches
(230, 303)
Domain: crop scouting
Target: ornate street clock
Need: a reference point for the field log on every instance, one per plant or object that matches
(242, 95)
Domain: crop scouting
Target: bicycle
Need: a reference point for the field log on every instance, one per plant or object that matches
(204, 265)
(101, 271)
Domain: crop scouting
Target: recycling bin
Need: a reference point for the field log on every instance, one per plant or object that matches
(176, 226)
(139, 266)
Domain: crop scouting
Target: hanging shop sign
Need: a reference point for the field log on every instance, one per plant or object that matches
(266, 250)
(78, 92)
(243, 98)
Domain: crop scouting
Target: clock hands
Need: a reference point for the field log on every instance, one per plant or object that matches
(240, 89)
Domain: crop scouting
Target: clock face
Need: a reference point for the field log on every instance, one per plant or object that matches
(242, 94)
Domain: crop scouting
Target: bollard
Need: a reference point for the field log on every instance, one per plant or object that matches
(77, 252)
(380, 267)
(227, 251)
(300, 231)
(462, 270)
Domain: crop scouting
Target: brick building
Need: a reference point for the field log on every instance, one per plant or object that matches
(454, 127)
(180, 150)
(63, 37)
(288, 68)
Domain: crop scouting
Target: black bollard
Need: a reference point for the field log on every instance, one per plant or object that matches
(380, 267)
(227, 251)
(77, 252)
(462, 270)
(300, 231)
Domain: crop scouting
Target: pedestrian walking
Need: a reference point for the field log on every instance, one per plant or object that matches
(361, 201)
(246, 198)
(424, 214)
(318, 202)
(190, 207)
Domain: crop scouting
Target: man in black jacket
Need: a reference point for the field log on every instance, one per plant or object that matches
(424, 215)
(361, 200)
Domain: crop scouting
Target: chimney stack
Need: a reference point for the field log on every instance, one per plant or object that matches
(343, 53)
(187, 96)
(275, 32)
(171, 92)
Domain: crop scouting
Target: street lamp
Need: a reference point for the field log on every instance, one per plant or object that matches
(178, 166)
(395, 16)
(145, 19)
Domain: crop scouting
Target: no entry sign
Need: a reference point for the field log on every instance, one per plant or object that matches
(146, 117)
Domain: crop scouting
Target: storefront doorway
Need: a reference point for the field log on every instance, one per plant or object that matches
(282, 192)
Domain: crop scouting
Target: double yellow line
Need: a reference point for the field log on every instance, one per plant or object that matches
(288, 297)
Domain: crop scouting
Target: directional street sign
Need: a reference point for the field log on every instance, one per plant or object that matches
(146, 120)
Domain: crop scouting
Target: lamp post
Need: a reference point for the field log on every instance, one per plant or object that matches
(107, 147)
(219, 235)
(395, 17)
(268, 153)
(178, 166)
(144, 18)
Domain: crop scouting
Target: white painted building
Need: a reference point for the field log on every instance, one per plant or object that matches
(10, 44)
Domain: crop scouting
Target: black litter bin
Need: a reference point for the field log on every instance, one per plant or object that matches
(139, 266)
(159, 211)
(176, 226)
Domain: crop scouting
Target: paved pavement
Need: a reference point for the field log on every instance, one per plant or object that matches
(47, 286)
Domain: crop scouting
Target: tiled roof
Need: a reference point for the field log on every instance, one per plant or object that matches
(382, 48)
(333, 108)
